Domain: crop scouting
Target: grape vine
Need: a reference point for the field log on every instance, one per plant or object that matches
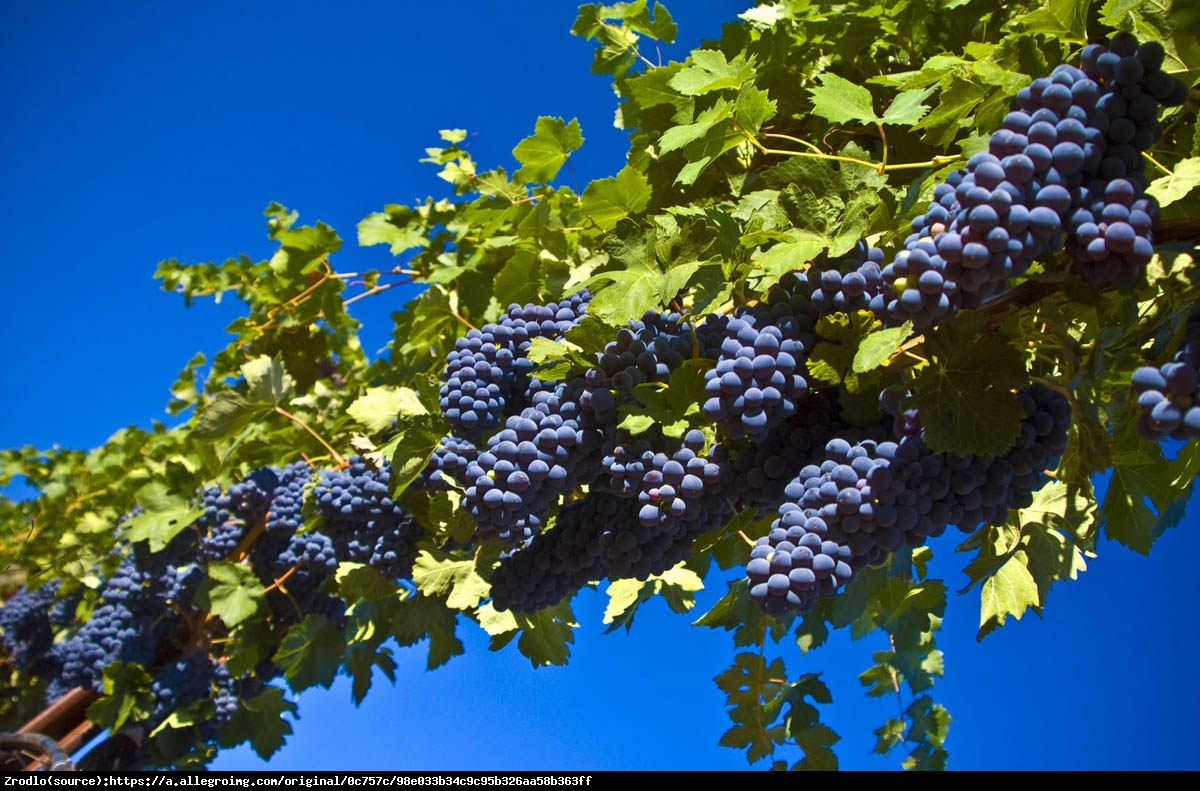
(789, 369)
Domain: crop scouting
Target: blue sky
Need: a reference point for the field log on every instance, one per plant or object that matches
(162, 130)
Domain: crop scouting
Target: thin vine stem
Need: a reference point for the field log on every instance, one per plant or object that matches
(337, 457)
(816, 153)
(374, 290)
(1157, 164)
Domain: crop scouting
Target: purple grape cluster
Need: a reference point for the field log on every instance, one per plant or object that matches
(144, 609)
(488, 366)
(757, 475)
(1169, 396)
(180, 683)
(646, 350)
(850, 284)
(451, 459)
(123, 627)
(759, 376)
(26, 625)
(665, 486)
(361, 521)
(794, 564)
(1065, 164)
(869, 498)
(540, 454)
(555, 564)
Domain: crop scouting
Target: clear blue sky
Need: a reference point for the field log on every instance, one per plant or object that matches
(162, 130)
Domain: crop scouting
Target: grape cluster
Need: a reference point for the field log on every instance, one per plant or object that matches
(123, 627)
(555, 564)
(869, 498)
(451, 459)
(26, 624)
(665, 486)
(141, 612)
(794, 564)
(180, 683)
(540, 454)
(488, 366)
(647, 350)
(362, 522)
(1169, 396)
(756, 475)
(759, 376)
(854, 283)
(1066, 164)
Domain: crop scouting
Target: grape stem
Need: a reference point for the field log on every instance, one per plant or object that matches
(879, 167)
(278, 584)
(1157, 164)
(375, 290)
(337, 457)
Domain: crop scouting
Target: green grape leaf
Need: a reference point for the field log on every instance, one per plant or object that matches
(817, 743)
(651, 88)
(225, 415)
(1064, 20)
(877, 347)
(544, 152)
(497, 623)
(126, 694)
(399, 228)
(378, 407)
(679, 136)
(1139, 480)
(606, 201)
(623, 596)
(661, 27)
(232, 592)
(164, 515)
(832, 359)
(359, 581)
(890, 735)
(302, 249)
(1062, 506)
(853, 602)
(435, 574)
(440, 513)
(260, 721)
(556, 359)
(710, 71)
(965, 398)
(361, 662)
(629, 295)
(1010, 590)
(412, 447)
(803, 724)
(311, 653)
(495, 182)
(756, 695)
(1176, 186)
(765, 16)
(736, 611)
(546, 635)
(907, 108)
(812, 632)
(267, 381)
(419, 617)
(753, 108)
(636, 422)
(839, 100)
(676, 585)
(789, 256)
